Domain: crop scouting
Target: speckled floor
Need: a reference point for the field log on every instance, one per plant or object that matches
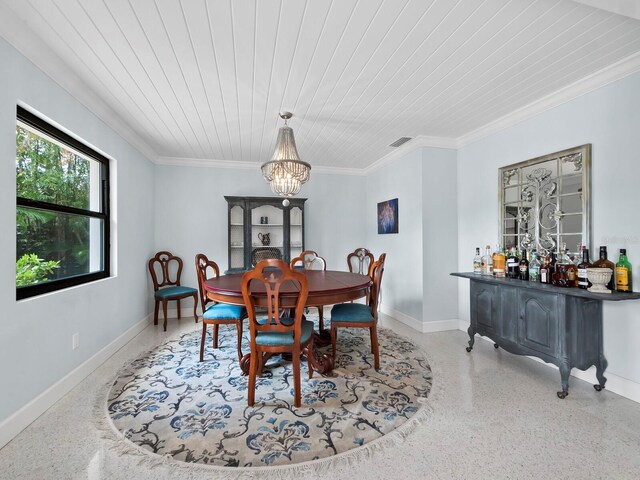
(495, 415)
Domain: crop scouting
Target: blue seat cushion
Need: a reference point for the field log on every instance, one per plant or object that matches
(274, 339)
(351, 312)
(220, 311)
(170, 292)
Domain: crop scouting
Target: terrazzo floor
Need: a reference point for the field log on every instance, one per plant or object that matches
(495, 415)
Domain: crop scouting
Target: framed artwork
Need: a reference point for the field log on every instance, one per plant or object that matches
(388, 216)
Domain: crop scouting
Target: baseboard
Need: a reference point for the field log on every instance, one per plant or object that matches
(13, 425)
(616, 384)
(185, 312)
(420, 326)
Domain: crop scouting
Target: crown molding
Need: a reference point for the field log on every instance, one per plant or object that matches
(421, 141)
(617, 71)
(217, 163)
(206, 163)
(44, 58)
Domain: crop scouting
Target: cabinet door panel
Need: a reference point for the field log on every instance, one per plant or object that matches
(538, 322)
(484, 307)
(509, 313)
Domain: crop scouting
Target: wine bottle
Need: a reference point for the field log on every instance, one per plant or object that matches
(534, 267)
(583, 281)
(545, 273)
(623, 273)
(524, 266)
(604, 262)
(552, 266)
(477, 262)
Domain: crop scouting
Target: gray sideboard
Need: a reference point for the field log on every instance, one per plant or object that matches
(562, 326)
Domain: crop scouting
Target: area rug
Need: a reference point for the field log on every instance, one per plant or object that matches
(168, 406)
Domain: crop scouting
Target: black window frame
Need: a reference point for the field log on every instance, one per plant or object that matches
(46, 128)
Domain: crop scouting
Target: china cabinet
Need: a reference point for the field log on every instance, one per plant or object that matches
(261, 227)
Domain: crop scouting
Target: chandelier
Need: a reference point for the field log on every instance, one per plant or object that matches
(286, 172)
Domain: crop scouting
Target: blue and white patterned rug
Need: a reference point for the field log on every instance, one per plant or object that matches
(171, 406)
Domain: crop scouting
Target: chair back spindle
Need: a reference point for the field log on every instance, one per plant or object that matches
(360, 261)
(309, 260)
(165, 269)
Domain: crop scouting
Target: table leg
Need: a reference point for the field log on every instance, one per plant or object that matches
(321, 363)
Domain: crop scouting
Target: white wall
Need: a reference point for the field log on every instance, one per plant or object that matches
(417, 288)
(191, 213)
(35, 334)
(402, 280)
(440, 239)
(609, 119)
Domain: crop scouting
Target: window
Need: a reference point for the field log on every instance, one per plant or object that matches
(62, 215)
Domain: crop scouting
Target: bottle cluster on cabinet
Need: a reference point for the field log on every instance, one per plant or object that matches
(563, 269)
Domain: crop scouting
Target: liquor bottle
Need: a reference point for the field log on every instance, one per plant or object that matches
(623, 273)
(583, 281)
(513, 264)
(552, 266)
(524, 266)
(603, 262)
(499, 263)
(578, 256)
(477, 262)
(486, 265)
(545, 270)
(534, 267)
(566, 273)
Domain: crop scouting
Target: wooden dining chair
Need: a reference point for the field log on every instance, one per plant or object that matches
(276, 333)
(166, 269)
(310, 260)
(360, 261)
(215, 313)
(358, 315)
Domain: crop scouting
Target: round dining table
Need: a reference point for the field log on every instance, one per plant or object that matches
(326, 287)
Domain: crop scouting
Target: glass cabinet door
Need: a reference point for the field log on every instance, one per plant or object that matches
(236, 237)
(295, 232)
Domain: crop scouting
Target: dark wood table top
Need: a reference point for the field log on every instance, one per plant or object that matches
(326, 287)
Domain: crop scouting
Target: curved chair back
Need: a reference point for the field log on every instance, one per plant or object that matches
(262, 253)
(360, 261)
(269, 283)
(377, 269)
(165, 269)
(202, 265)
(310, 260)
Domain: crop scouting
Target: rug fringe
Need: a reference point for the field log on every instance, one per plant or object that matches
(120, 445)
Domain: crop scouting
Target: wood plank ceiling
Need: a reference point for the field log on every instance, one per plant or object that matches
(205, 79)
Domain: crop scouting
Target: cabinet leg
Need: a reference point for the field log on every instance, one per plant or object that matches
(472, 332)
(600, 368)
(565, 370)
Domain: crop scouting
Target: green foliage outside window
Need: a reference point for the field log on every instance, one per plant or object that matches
(50, 243)
(30, 269)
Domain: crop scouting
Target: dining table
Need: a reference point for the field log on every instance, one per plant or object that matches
(326, 287)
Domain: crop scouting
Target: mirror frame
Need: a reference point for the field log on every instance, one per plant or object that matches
(581, 157)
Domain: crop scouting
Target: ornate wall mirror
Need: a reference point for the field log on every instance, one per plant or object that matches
(544, 202)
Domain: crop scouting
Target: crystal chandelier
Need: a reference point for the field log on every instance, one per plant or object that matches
(286, 172)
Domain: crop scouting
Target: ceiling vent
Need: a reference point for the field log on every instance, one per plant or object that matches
(400, 141)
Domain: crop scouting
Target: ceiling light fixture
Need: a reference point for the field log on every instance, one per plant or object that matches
(286, 172)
